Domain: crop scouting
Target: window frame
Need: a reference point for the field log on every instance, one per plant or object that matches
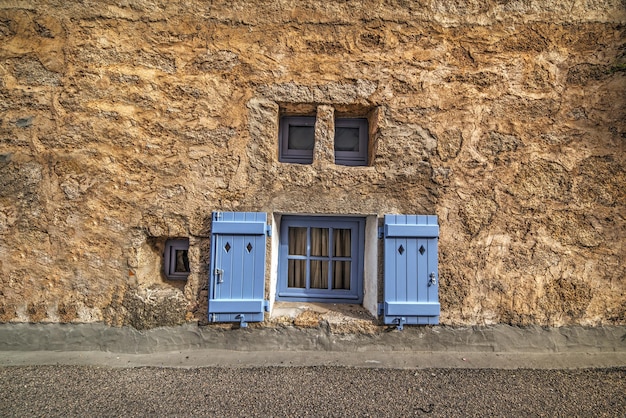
(355, 293)
(169, 258)
(287, 155)
(353, 158)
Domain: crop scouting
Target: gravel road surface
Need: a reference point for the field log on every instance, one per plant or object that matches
(88, 391)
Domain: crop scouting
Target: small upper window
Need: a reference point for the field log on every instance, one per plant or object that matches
(351, 141)
(176, 259)
(297, 139)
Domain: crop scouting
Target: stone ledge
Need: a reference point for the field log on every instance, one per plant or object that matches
(488, 339)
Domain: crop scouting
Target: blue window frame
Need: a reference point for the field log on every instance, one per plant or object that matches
(351, 141)
(321, 259)
(297, 139)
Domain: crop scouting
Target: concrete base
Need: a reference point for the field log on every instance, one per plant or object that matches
(501, 339)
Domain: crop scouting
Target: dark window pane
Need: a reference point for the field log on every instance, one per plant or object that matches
(346, 139)
(297, 241)
(342, 239)
(296, 276)
(341, 275)
(319, 274)
(182, 262)
(301, 137)
(319, 242)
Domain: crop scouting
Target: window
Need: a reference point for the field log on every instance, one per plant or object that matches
(176, 259)
(321, 259)
(351, 141)
(297, 139)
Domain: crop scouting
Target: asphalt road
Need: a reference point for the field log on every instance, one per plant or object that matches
(90, 391)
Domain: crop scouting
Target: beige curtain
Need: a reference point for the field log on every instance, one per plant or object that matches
(341, 269)
(296, 276)
(319, 248)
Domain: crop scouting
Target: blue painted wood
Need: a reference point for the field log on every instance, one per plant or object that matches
(411, 258)
(421, 231)
(237, 273)
(247, 228)
(412, 308)
(240, 306)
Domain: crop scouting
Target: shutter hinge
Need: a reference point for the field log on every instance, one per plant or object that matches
(218, 215)
(268, 230)
(266, 305)
(381, 309)
(381, 232)
(242, 321)
(400, 322)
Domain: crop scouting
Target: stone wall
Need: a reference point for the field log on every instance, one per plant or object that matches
(124, 123)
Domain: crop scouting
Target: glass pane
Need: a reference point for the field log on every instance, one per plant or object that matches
(346, 139)
(301, 137)
(319, 274)
(341, 275)
(182, 262)
(296, 276)
(342, 239)
(297, 241)
(319, 242)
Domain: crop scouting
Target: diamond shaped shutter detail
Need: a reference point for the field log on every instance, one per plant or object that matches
(411, 276)
(237, 274)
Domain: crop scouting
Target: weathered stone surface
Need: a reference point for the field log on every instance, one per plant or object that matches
(501, 339)
(123, 124)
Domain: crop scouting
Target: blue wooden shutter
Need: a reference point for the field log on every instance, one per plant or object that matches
(237, 273)
(411, 289)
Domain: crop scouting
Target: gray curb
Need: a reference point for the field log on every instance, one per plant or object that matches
(499, 346)
(498, 338)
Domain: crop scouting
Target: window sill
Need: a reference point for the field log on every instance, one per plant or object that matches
(342, 312)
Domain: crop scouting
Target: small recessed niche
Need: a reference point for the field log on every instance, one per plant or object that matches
(176, 259)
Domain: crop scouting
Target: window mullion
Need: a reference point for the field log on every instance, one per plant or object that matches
(308, 258)
(331, 249)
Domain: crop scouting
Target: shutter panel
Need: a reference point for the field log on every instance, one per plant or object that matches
(411, 285)
(237, 274)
